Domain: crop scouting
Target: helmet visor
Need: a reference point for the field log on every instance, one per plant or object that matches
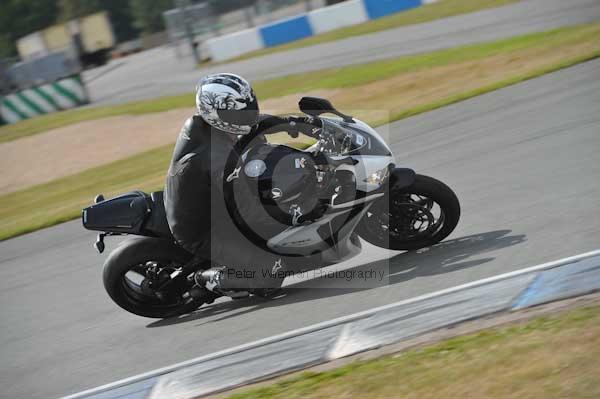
(247, 116)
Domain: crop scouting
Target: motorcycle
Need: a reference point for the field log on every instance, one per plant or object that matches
(320, 200)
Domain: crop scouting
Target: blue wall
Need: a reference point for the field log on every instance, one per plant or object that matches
(381, 8)
(286, 31)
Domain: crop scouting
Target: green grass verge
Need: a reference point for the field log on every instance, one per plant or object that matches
(489, 88)
(349, 76)
(357, 75)
(54, 202)
(549, 357)
(426, 13)
(62, 199)
(46, 122)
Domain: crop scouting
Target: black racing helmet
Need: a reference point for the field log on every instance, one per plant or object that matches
(227, 102)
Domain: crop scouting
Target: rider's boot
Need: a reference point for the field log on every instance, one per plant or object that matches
(214, 280)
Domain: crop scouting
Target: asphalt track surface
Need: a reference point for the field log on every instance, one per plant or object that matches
(157, 72)
(523, 160)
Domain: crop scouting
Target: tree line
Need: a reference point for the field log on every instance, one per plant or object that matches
(129, 18)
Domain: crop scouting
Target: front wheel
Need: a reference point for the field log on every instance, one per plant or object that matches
(136, 277)
(409, 218)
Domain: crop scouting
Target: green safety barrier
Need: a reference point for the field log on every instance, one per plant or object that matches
(51, 97)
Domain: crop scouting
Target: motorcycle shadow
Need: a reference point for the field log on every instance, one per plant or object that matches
(445, 257)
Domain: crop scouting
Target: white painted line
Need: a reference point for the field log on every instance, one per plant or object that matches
(327, 324)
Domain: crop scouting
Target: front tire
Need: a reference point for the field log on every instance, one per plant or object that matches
(125, 277)
(409, 218)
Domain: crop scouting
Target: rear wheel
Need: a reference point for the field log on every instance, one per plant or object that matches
(137, 276)
(413, 217)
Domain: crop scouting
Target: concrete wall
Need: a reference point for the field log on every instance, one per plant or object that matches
(381, 8)
(232, 45)
(350, 12)
(63, 94)
(285, 31)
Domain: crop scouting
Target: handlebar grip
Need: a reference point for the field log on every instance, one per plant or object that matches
(304, 125)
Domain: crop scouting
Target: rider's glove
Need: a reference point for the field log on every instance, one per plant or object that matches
(293, 130)
(302, 124)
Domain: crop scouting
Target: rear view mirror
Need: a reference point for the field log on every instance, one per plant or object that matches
(315, 106)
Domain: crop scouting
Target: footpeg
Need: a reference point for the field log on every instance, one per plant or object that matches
(237, 294)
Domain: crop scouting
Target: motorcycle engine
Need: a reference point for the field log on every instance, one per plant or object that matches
(287, 182)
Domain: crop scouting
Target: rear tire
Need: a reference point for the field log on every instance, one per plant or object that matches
(397, 205)
(133, 254)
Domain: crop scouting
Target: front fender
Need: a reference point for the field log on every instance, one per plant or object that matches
(402, 178)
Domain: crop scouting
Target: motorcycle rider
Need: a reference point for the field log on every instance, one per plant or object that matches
(227, 110)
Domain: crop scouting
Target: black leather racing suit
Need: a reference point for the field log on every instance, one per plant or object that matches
(196, 210)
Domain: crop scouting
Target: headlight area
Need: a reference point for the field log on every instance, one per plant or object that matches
(379, 177)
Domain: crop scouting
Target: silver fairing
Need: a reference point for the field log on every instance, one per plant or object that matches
(305, 239)
(372, 155)
(377, 143)
(368, 165)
